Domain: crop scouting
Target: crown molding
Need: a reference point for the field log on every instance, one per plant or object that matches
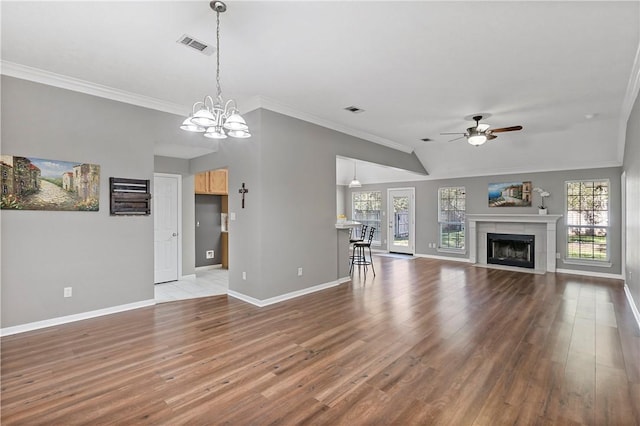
(266, 103)
(37, 75)
(630, 96)
(24, 72)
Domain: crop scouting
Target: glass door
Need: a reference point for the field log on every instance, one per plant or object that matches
(401, 223)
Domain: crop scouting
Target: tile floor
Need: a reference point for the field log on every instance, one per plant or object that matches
(208, 282)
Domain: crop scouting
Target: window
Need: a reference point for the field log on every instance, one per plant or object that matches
(588, 220)
(451, 217)
(367, 209)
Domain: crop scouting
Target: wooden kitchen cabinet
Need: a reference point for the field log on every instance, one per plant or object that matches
(224, 243)
(213, 182)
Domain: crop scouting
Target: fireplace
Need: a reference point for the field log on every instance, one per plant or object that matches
(511, 250)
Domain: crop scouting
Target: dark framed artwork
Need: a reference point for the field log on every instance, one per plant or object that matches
(510, 194)
(38, 184)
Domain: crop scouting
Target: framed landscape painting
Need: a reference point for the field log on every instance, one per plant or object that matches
(510, 194)
(38, 184)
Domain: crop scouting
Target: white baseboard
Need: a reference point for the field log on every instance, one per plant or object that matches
(209, 267)
(186, 277)
(509, 268)
(590, 273)
(286, 296)
(632, 303)
(72, 318)
(435, 256)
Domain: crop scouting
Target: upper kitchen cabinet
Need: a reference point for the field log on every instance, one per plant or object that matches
(213, 182)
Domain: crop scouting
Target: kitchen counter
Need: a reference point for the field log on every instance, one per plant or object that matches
(347, 224)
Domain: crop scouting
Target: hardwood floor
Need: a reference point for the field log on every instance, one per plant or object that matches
(423, 342)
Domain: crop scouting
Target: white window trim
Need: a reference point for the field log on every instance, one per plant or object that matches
(374, 243)
(587, 262)
(604, 263)
(452, 250)
(441, 249)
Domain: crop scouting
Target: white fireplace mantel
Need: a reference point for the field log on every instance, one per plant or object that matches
(549, 220)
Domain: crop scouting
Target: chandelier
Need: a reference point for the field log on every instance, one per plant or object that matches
(217, 118)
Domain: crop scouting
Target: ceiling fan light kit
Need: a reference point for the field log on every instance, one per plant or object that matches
(480, 133)
(217, 118)
(475, 137)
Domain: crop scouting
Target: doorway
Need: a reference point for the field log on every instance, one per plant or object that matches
(166, 222)
(401, 213)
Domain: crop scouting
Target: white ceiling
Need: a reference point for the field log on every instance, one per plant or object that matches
(416, 68)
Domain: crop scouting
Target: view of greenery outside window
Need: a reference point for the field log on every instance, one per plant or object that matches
(451, 217)
(588, 219)
(367, 209)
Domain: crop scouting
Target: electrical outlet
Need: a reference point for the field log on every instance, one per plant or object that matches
(557, 255)
(209, 254)
(299, 272)
(244, 275)
(68, 291)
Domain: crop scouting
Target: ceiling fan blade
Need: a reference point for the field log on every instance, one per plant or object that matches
(506, 129)
(457, 138)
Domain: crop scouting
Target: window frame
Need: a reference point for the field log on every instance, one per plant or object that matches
(462, 223)
(606, 261)
(378, 233)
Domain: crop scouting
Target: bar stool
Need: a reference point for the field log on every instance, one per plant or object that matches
(355, 239)
(359, 258)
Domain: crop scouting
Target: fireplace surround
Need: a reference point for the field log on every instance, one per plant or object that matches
(543, 227)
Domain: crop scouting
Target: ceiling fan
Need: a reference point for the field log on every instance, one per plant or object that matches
(480, 133)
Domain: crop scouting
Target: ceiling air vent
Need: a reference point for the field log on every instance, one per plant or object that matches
(198, 45)
(354, 109)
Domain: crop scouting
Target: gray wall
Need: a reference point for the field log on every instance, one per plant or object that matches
(242, 158)
(208, 229)
(107, 260)
(180, 166)
(477, 203)
(341, 207)
(632, 171)
(289, 167)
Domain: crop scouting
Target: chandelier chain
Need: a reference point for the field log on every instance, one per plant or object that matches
(217, 118)
(218, 53)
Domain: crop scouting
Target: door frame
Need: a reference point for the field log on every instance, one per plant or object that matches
(412, 212)
(623, 210)
(178, 177)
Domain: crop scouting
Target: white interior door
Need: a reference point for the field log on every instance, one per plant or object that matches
(165, 224)
(401, 213)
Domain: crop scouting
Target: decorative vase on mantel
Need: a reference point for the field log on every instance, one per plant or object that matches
(542, 211)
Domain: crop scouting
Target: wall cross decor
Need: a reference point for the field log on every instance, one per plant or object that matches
(243, 191)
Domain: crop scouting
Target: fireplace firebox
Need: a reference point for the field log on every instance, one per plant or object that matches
(511, 250)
